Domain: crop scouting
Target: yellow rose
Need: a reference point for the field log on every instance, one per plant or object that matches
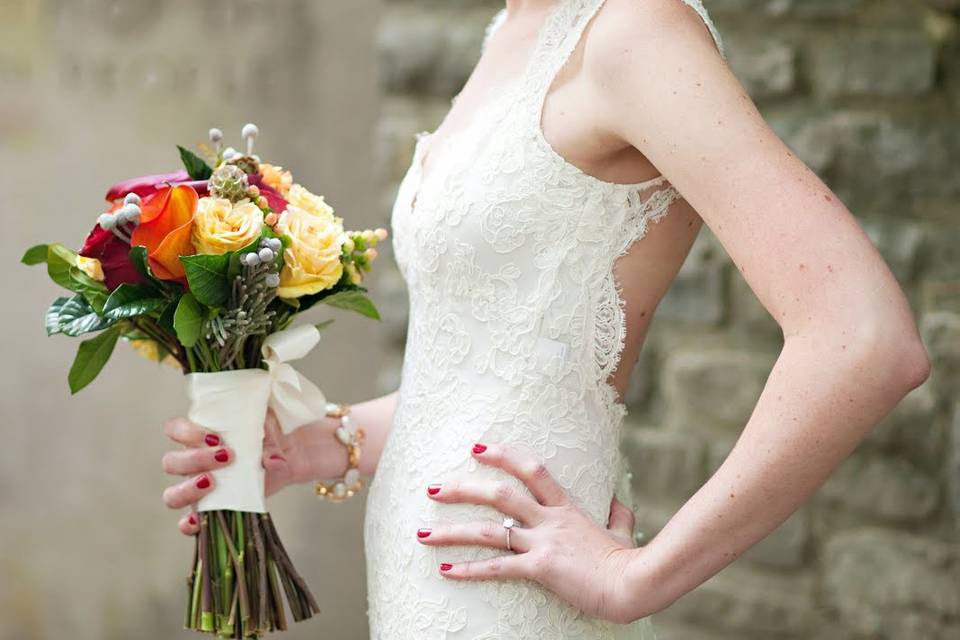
(276, 178)
(222, 226)
(299, 197)
(91, 267)
(150, 350)
(312, 261)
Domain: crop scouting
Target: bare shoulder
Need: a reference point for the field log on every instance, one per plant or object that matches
(650, 31)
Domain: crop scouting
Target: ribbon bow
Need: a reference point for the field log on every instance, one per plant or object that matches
(294, 399)
(234, 403)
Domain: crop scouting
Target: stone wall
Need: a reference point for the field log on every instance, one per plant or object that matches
(867, 92)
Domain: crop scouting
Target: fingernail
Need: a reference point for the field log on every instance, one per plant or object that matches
(192, 519)
(445, 566)
(203, 482)
(277, 456)
(423, 533)
(433, 489)
(211, 439)
(479, 448)
(221, 455)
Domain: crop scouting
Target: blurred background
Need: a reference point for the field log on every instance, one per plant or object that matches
(867, 92)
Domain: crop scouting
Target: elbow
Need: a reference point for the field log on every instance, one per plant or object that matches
(914, 365)
(901, 353)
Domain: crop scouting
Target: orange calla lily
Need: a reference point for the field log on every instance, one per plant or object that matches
(166, 223)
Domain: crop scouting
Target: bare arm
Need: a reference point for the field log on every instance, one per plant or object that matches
(375, 416)
(851, 347)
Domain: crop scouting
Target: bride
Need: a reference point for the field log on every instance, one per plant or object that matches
(537, 230)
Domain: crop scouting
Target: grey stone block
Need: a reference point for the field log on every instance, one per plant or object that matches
(748, 601)
(878, 62)
(888, 584)
(884, 488)
(714, 391)
(665, 464)
(765, 66)
(696, 296)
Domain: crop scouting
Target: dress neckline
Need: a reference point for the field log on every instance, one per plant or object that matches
(500, 91)
(563, 24)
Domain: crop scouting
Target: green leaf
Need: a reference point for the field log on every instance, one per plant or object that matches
(138, 256)
(323, 325)
(78, 317)
(129, 300)
(196, 166)
(166, 316)
(62, 268)
(187, 320)
(91, 357)
(235, 267)
(353, 301)
(207, 276)
(95, 292)
(36, 254)
(53, 316)
(60, 261)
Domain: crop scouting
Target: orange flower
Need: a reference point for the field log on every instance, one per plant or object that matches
(166, 223)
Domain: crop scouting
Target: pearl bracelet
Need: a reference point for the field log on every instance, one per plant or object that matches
(350, 437)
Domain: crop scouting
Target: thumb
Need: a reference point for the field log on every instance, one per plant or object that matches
(621, 520)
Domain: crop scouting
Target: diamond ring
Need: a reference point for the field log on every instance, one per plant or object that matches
(508, 524)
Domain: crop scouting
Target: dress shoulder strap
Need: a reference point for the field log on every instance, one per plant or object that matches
(492, 26)
(697, 5)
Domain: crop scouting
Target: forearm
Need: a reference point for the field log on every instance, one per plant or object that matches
(327, 459)
(822, 397)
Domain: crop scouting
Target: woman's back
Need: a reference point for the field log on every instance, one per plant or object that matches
(518, 325)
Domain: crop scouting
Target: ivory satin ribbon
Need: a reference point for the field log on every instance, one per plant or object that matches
(234, 405)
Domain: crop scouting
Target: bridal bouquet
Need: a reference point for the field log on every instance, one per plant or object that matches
(205, 269)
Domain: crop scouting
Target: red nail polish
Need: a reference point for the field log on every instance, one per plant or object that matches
(203, 482)
(445, 566)
(423, 533)
(221, 455)
(479, 448)
(211, 439)
(433, 489)
(192, 519)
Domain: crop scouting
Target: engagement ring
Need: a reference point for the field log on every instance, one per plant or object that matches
(508, 524)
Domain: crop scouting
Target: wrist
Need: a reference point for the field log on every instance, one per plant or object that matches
(646, 580)
(321, 460)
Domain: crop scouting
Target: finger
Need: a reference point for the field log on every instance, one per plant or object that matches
(486, 533)
(532, 472)
(187, 462)
(272, 433)
(502, 568)
(279, 473)
(189, 434)
(622, 520)
(189, 491)
(189, 524)
(501, 496)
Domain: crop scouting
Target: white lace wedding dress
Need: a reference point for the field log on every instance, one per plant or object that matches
(516, 324)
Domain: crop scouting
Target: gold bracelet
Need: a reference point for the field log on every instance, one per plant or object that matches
(350, 437)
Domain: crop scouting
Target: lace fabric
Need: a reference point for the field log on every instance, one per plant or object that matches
(516, 325)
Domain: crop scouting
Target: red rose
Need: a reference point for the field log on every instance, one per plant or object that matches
(114, 256)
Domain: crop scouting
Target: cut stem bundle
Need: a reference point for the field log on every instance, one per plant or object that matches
(239, 576)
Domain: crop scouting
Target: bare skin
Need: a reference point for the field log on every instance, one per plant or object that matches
(646, 92)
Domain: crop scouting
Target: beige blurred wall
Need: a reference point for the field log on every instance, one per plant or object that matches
(93, 91)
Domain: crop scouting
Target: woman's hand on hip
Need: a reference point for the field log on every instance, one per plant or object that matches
(555, 542)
